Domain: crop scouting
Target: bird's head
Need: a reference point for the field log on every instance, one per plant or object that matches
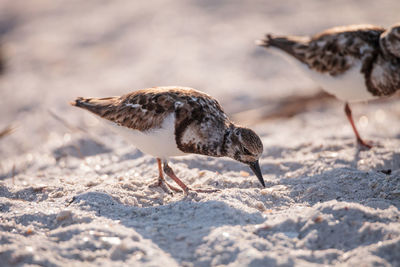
(244, 145)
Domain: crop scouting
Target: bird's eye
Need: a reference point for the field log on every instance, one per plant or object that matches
(237, 133)
(246, 151)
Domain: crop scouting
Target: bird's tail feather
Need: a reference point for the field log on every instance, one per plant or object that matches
(97, 106)
(293, 45)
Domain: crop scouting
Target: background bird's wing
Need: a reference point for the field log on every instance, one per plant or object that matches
(333, 51)
(336, 50)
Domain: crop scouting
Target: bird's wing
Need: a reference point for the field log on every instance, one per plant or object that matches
(140, 110)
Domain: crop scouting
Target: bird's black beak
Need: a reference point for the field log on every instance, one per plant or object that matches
(255, 167)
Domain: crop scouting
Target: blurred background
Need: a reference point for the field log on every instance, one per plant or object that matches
(52, 51)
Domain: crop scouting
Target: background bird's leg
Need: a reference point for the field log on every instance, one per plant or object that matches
(347, 110)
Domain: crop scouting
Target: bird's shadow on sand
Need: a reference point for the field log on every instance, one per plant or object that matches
(169, 225)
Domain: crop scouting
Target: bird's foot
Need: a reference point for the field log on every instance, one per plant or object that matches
(363, 144)
(162, 186)
(165, 186)
(173, 188)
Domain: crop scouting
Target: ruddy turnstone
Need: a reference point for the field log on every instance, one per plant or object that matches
(354, 63)
(175, 121)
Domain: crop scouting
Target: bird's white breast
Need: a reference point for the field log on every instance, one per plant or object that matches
(349, 86)
(159, 142)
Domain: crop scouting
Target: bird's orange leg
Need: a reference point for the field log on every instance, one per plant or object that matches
(360, 141)
(171, 174)
(161, 182)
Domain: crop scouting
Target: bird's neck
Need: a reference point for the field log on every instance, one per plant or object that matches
(226, 145)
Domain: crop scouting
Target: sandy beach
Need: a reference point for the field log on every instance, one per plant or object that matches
(72, 193)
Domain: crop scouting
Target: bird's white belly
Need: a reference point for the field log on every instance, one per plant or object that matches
(349, 86)
(158, 142)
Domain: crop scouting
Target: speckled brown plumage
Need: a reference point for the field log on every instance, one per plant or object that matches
(200, 124)
(336, 50)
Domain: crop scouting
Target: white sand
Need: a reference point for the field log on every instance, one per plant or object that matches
(69, 197)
